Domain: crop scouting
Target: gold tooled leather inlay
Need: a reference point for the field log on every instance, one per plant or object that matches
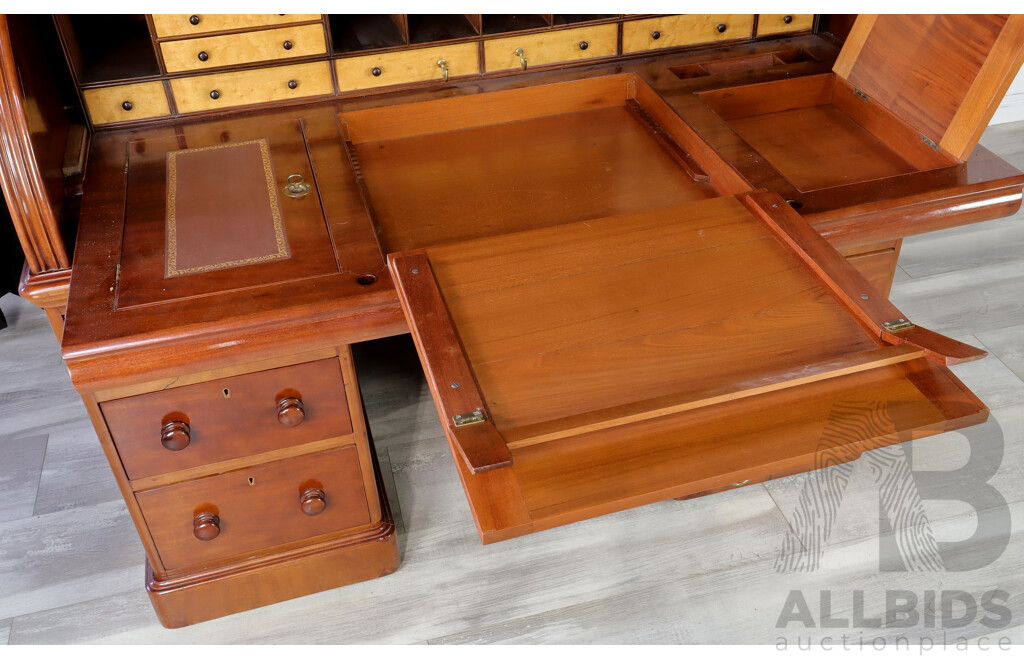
(282, 251)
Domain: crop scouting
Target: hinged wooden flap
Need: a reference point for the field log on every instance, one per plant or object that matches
(942, 74)
(544, 335)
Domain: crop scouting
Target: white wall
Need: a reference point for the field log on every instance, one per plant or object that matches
(1012, 107)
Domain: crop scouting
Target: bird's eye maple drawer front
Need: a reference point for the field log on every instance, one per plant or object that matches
(407, 66)
(683, 30)
(126, 102)
(196, 425)
(173, 25)
(244, 47)
(234, 88)
(254, 509)
(782, 23)
(552, 47)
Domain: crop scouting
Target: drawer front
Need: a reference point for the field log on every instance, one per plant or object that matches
(174, 25)
(126, 102)
(256, 508)
(780, 23)
(244, 48)
(406, 66)
(225, 90)
(228, 418)
(684, 30)
(551, 47)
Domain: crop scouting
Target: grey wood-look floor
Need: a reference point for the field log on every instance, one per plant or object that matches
(704, 570)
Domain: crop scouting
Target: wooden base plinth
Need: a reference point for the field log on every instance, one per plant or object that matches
(196, 597)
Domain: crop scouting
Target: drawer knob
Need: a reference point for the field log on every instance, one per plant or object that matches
(193, 19)
(292, 84)
(443, 65)
(175, 435)
(206, 526)
(203, 56)
(287, 45)
(214, 94)
(127, 106)
(655, 35)
(290, 411)
(375, 71)
(584, 45)
(313, 501)
(721, 27)
(787, 19)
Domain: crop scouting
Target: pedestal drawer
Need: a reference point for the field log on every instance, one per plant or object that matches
(684, 30)
(255, 509)
(196, 425)
(244, 48)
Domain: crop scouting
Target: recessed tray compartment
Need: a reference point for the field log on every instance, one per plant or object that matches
(493, 163)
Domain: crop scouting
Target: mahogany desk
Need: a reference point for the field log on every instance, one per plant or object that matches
(642, 258)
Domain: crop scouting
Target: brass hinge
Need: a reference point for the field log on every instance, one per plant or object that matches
(468, 419)
(863, 97)
(897, 326)
(931, 143)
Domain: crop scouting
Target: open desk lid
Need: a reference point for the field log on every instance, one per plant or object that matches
(598, 365)
(942, 74)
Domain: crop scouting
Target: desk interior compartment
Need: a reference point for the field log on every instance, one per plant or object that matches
(907, 94)
(468, 167)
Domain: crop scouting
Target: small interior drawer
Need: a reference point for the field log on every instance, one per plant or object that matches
(244, 47)
(551, 47)
(174, 25)
(107, 105)
(228, 418)
(225, 90)
(406, 66)
(780, 23)
(683, 30)
(255, 508)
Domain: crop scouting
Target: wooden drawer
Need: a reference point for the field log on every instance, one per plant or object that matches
(173, 25)
(225, 90)
(683, 30)
(228, 418)
(257, 508)
(406, 66)
(107, 105)
(244, 48)
(551, 47)
(779, 23)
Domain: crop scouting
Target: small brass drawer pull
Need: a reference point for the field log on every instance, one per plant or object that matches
(741, 483)
(443, 64)
(297, 186)
(522, 57)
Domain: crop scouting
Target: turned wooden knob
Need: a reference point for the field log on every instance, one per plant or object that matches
(214, 94)
(655, 35)
(290, 411)
(203, 56)
(287, 45)
(175, 435)
(193, 19)
(721, 27)
(584, 45)
(292, 84)
(375, 71)
(313, 501)
(787, 19)
(206, 526)
(127, 106)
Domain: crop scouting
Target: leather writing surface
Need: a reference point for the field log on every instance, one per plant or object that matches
(222, 208)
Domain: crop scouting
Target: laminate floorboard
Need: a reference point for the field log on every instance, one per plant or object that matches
(703, 570)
